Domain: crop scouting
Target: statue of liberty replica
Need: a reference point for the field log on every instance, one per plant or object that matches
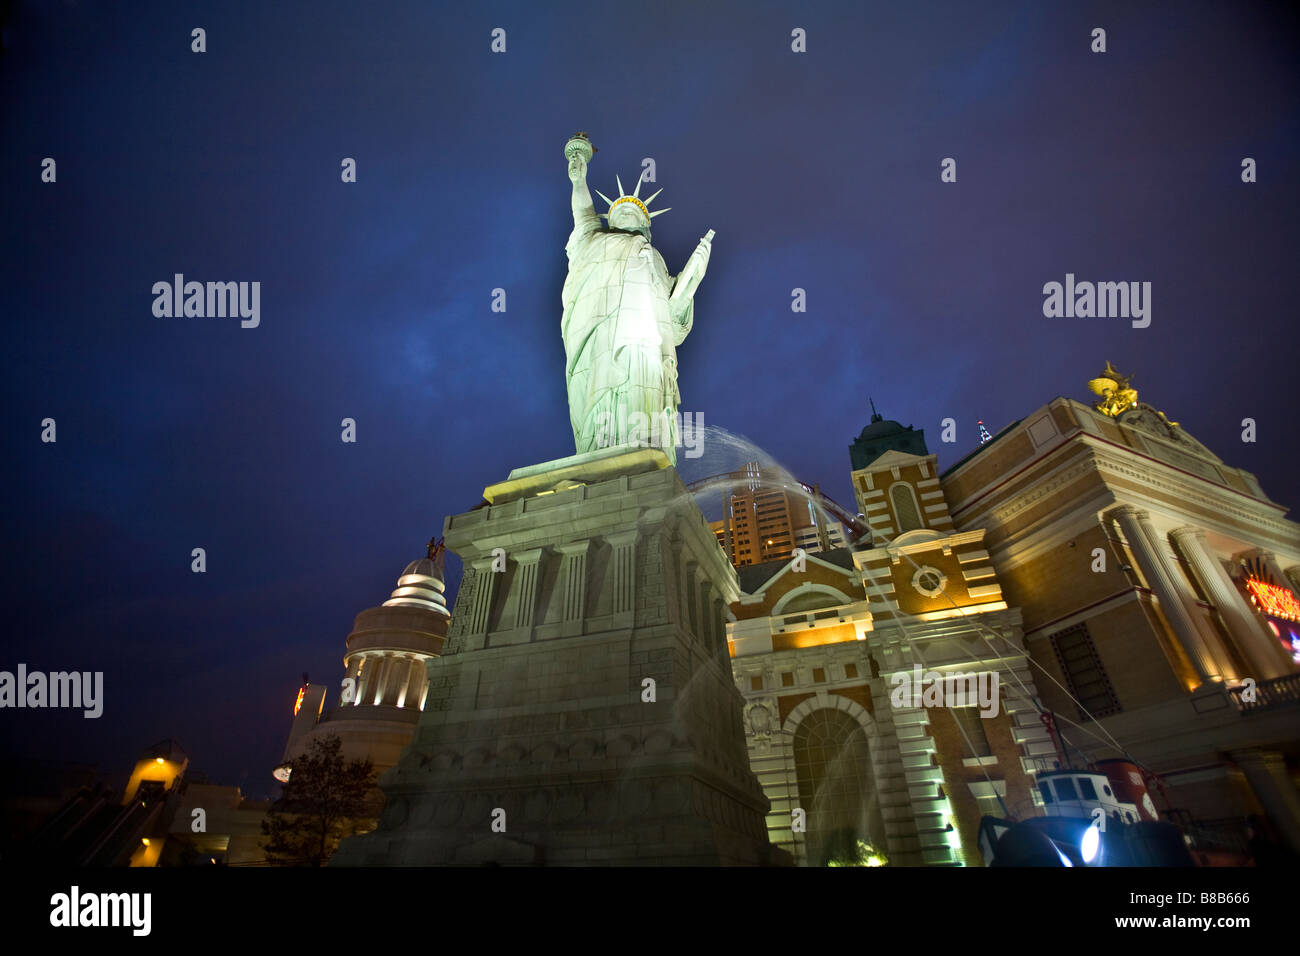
(624, 317)
(582, 710)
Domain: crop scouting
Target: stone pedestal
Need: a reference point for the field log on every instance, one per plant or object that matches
(583, 711)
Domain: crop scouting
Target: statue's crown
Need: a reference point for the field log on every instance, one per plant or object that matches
(633, 198)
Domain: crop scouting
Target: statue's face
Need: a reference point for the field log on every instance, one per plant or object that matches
(627, 217)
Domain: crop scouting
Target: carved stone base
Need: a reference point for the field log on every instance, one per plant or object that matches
(583, 711)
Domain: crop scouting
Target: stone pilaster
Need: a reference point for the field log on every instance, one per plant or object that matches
(623, 557)
(485, 579)
(528, 563)
(706, 617)
(573, 575)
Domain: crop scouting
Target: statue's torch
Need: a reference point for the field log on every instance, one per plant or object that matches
(579, 144)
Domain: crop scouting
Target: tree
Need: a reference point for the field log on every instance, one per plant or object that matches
(324, 800)
(845, 848)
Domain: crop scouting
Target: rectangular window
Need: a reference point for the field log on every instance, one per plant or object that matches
(1087, 789)
(787, 680)
(969, 719)
(819, 675)
(850, 670)
(1084, 674)
(756, 683)
(1065, 788)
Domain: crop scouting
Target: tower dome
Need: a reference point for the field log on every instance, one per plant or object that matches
(421, 585)
(883, 435)
(386, 679)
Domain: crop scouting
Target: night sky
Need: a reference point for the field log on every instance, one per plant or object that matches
(818, 170)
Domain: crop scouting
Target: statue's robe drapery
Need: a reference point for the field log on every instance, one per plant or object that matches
(620, 341)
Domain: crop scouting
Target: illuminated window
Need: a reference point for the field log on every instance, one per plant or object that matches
(787, 680)
(833, 767)
(756, 683)
(819, 675)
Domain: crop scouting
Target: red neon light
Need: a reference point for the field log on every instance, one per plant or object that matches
(1274, 600)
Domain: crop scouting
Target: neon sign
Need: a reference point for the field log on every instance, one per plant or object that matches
(1273, 600)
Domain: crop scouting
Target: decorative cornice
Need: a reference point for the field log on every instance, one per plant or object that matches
(1064, 475)
(1186, 491)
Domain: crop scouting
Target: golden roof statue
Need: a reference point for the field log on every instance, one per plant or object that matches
(1116, 395)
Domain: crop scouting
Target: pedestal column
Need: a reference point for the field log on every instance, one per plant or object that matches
(411, 691)
(382, 677)
(354, 672)
(1293, 577)
(1267, 775)
(1279, 653)
(1144, 540)
(1253, 638)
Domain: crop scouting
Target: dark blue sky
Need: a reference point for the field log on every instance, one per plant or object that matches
(818, 171)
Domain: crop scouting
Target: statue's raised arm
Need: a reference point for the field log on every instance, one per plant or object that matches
(689, 279)
(579, 151)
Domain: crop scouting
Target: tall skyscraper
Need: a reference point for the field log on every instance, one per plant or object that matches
(767, 514)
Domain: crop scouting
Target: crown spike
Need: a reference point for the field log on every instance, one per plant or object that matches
(621, 194)
(636, 192)
(659, 212)
(652, 198)
(608, 201)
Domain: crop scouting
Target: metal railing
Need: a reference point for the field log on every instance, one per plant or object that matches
(1223, 834)
(1278, 692)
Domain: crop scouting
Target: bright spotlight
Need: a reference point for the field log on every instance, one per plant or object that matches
(1090, 844)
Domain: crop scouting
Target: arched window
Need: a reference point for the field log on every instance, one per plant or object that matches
(810, 597)
(832, 761)
(811, 600)
(906, 509)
